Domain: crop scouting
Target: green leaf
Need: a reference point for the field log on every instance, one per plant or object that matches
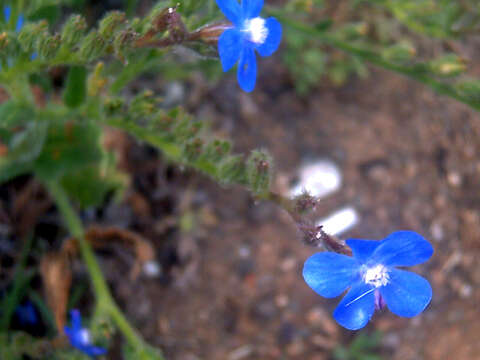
(22, 149)
(76, 88)
(13, 113)
(90, 185)
(69, 146)
(146, 352)
(51, 13)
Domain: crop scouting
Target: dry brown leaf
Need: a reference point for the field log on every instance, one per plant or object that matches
(57, 279)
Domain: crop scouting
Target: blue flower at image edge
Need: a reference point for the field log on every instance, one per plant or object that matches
(7, 12)
(80, 337)
(26, 313)
(248, 33)
(372, 277)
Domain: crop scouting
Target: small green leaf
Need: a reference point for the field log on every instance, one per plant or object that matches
(51, 13)
(146, 352)
(23, 147)
(76, 88)
(69, 146)
(90, 185)
(14, 114)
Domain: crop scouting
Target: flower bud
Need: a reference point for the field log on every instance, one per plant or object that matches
(217, 150)
(399, 53)
(124, 42)
(470, 89)
(48, 46)
(162, 122)
(193, 149)
(30, 34)
(97, 80)
(186, 129)
(304, 203)
(354, 30)
(114, 106)
(92, 46)
(143, 105)
(210, 33)
(5, 41)
(232, 170)
(73, 31)
(449, 65)
(110, 23)
(259, 171)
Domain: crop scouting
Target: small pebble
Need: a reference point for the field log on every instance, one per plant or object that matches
(340, 221)
(319, 179)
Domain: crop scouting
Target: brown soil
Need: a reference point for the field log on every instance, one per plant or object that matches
(409, 160)
(232, 286)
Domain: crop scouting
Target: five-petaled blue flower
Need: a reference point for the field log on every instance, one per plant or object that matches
(80, 337)
(372, 277)
(248, 33)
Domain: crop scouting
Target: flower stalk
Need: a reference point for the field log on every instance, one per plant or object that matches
(105, 301)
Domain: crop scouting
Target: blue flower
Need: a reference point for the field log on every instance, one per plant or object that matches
(26, 313)
(248, 33)
(80, 337)
(7, 11)
(372, 277)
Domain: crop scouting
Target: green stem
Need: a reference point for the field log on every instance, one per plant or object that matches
(104, 298)
(76, 228)
(173, 152)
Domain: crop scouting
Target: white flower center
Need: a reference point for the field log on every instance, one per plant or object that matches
(376, 275)
(84, 336)
(256, 30)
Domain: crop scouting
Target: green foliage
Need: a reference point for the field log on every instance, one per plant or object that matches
(147, 353)
(76, 88)
(437, 18)
(260, 171)
(363, 347)
(17, 345)
(18, 288)
(89, 185)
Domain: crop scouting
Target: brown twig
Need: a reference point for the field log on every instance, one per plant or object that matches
(300, 210)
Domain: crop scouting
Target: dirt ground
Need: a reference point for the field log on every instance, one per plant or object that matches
(232, 287)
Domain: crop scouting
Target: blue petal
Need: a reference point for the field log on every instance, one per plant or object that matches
(69, 332)
(407, 294)
(231, 9)
(229, 48)
(403, 248)
(329, 274)
(362, 249)
(251, 8)
(19, 25)
(7, 11)
(357, 307)
(273, 38)
(76, 320)
(94, 350)
(247, 69)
